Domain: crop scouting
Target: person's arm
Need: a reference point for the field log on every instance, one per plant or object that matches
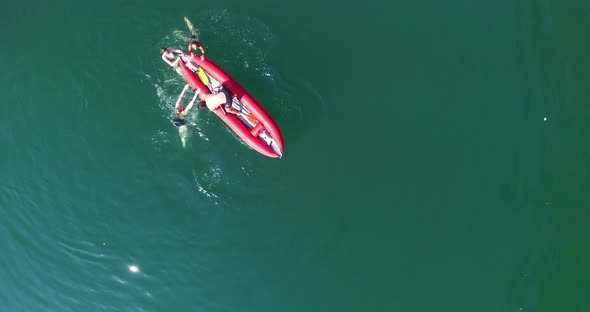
(179, 51)
(202, 51)
(180, 96)
(166, 59)
(233, 111)
(190, 105)
(189, 47)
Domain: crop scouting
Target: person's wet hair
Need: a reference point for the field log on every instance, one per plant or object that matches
(162, 50)
(201, 105)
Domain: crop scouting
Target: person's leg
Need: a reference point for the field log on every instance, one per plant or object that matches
(183, 133)
(228, 97)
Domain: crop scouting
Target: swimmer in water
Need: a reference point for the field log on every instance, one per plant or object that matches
(181, 113)
(194, 45)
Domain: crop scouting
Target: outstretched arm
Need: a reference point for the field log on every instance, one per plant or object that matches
(180, 96)
(190, 105)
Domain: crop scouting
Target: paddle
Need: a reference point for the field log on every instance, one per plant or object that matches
(250, 118)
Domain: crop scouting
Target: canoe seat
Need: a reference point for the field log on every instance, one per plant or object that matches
(257, 129)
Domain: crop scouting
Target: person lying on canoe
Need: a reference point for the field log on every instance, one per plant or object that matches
(181, 111)
(212, 101)
(194, 44)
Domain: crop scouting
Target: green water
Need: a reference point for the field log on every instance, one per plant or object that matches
(419, 171)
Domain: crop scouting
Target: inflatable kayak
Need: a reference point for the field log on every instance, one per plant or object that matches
(253, 126)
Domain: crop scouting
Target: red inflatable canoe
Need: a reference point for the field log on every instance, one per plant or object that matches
(254, 126)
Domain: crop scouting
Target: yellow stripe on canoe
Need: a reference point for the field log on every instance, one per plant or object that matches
(201, 74)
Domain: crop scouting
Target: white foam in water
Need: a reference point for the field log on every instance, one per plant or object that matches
(204, 180)
(133, 269)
